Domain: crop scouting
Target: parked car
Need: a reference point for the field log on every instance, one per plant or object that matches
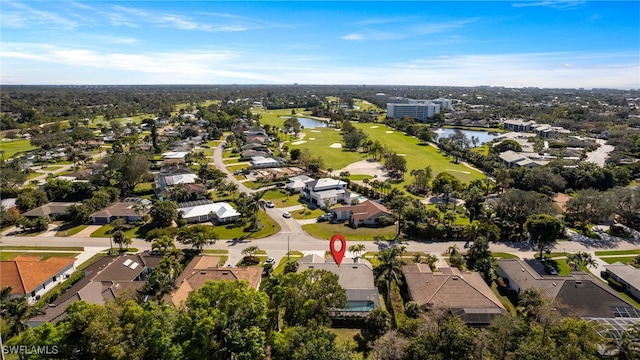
(286, 215)
(270, 204)
(550, 270)
(324, 217)
(270, 261)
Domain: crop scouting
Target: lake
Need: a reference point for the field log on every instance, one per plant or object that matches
(308, 123)
(483, 136)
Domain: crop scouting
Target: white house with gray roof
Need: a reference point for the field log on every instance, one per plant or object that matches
(626, 275)
(326, 191)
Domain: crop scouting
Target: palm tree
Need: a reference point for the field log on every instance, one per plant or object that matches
(582, 260)
(453, 250)
(390, 267)
(251, 204)
(357, 250)
(17, 312)
(163, 244)
(250, 251)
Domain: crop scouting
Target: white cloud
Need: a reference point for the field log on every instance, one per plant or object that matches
(21, 16)
(352, 37)
(81, 66)
(556, 4)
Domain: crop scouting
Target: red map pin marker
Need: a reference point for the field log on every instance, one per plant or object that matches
(338, 254)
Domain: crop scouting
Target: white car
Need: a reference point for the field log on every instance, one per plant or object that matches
(270, 260)
(286, 215)
(270, 204)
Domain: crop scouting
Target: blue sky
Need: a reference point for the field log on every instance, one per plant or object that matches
(544, 43)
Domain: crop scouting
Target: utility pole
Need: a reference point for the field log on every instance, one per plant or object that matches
(288, 250)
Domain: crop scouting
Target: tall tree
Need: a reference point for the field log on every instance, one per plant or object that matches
(389, 269)
(198, 236)
(544, 229)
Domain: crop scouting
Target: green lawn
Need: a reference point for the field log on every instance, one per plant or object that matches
(618, 252)
(51, 168)
(305, 213)
(137, 232)
(7, 255)
(418, 156)
(503, 255)
(143, 187)
(622, 259)
(326, 230)
(44, 248)
(293, 255)
(269, 227)
(70, 229)
(281, 198)
(12, 147)
(228, 162)
(503, 299)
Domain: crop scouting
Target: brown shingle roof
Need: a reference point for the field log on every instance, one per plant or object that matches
(364, 210)
(25, 273)
(120, 209)
(449, 289)
(204, 268)
(48, 209)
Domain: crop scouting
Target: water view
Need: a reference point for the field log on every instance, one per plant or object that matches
(483, 136)
(308, 123)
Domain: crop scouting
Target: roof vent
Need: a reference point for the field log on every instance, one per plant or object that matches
(554, 284)
(522, 269)
(578, 282)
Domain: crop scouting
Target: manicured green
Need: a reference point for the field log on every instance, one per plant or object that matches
(618, 252)
(326, 230)
(13, 147)
(7, 255)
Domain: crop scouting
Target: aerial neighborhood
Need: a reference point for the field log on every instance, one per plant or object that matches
(197, 224)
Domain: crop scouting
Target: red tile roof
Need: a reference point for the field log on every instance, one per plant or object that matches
(25, 273)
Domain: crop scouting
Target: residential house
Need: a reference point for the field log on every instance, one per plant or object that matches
(264, 162)
(296, 183)
(255, 131)
(8, 203)
(326, 192)
(32, 276)
(626, 275)
(248, 154)
(53, 210)
(367, 213)
(355, 277)
(462, 293)
(104, 280)
(174, 155)
(528, 160)
(577, 294)
(518, 125)
(204, 268)
(131, 209)
(206, 210)
(171, 176)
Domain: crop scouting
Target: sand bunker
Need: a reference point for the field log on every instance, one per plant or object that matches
(336, 129)
(366, 167)
(298, 142)
(336, 145)
(312, 138)
(401, 154)
(389, 132)
(460, 171)
(315, 130)
(375, 127)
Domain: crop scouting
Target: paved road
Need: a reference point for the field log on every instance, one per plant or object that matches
(600, 155)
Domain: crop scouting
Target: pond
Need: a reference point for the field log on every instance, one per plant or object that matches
(308, 123)
(483, 136)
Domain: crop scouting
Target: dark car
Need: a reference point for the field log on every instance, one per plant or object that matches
(325, 217)
(550, 270)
